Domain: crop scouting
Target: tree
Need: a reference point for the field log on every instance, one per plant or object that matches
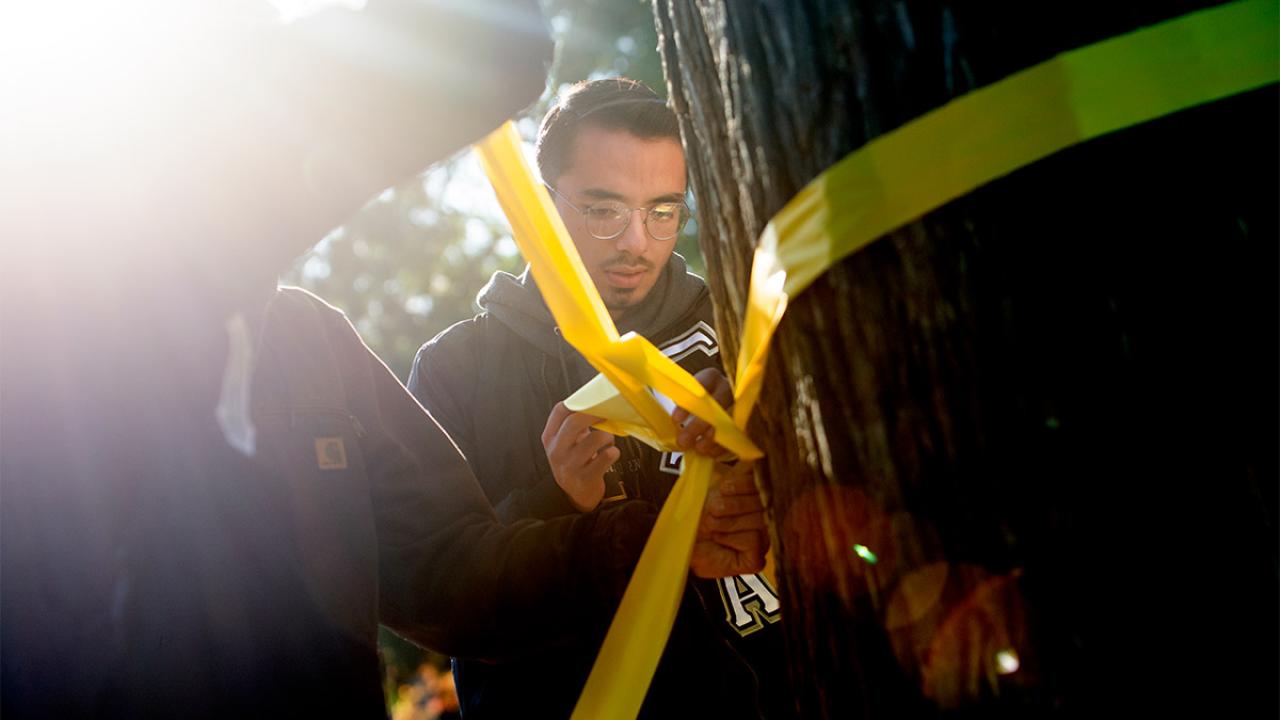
(604, 38)
(1021, 452)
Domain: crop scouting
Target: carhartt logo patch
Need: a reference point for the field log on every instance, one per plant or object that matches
(331, 453)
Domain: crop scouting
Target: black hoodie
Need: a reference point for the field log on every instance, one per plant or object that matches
(491, 382)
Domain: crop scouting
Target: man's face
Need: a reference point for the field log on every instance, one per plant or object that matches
(617, 165)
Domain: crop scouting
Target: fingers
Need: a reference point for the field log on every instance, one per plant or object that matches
(738, 480)
(729, 554)
(731, 537)
(571, 452)
(696, 433)
(566, 428)
(719, 505)
(579, 455)
(588, 448)
(576, 426)
(752, 545)
(710, 560)
(733, 505)
(554, 421)
(602, 462)
(718, 385)
(707, 444)
(746, 542)
(712, 525)
(563, 424)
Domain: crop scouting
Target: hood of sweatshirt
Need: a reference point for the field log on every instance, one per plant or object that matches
(517, 303)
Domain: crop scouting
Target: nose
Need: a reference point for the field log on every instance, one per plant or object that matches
(635, 238)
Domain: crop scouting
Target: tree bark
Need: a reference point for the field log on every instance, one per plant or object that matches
(1022, 452)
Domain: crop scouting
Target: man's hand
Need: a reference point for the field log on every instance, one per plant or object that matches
(731, 537)
(696, 433)
(579, 455)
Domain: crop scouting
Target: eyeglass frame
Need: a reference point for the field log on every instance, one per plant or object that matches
(646, 208)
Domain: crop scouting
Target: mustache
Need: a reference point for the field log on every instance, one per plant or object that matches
(628, 262)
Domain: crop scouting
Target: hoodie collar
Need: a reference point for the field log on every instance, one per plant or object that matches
(517, 303)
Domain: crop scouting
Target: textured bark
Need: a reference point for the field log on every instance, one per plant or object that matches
(1048, 408)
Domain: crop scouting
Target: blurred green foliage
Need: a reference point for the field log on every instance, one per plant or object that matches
(410, 263)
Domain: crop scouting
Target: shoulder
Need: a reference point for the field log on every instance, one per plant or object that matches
(459, 340)
(297, 306)
(695, 299)
(292, 299)
(298, 315)
(701, 307)
(458, 352)
(693, 335)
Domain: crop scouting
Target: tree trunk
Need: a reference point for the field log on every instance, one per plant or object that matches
(1022, 452)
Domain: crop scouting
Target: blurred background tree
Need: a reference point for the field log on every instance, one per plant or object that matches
(410, 263)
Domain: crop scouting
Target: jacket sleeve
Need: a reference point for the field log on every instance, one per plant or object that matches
(443, 380)
(542, 500)
(440, 381)
(452, 577)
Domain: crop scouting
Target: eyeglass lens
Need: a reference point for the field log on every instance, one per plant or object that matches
(607, 220)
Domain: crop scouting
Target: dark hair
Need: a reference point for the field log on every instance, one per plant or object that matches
(611, 104)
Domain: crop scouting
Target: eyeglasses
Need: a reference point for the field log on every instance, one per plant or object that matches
(608, 219)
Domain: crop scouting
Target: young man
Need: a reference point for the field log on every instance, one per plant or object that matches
(213, 492)
(610, 153)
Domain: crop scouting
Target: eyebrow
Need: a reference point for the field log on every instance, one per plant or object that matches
(603, 194)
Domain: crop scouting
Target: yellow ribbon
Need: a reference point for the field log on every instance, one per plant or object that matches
(987, 134)
(889, 182)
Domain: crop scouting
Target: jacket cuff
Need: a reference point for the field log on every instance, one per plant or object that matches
(542, 501)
